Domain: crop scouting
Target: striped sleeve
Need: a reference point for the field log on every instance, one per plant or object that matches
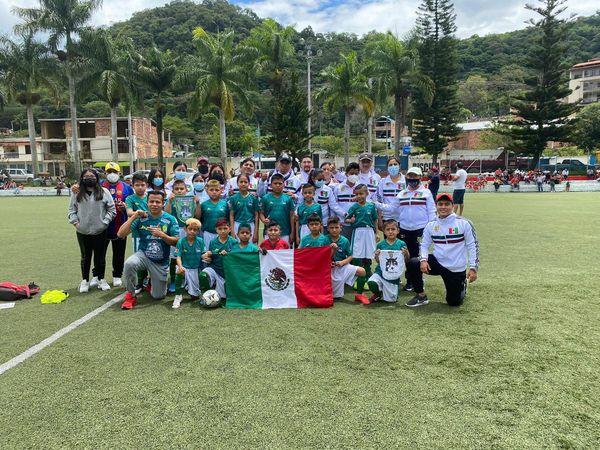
(426, 242)
(472, 244)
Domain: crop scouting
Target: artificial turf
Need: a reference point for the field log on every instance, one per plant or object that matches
(516, 366)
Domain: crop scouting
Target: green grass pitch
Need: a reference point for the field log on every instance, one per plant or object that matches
(516, 366)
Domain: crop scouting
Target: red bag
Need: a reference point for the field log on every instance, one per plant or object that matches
(10, 291)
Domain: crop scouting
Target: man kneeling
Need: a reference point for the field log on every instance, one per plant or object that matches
(157, 232)
(453, 239)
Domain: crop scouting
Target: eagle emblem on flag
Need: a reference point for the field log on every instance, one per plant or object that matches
(277, 279)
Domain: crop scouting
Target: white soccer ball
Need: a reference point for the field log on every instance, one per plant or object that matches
(211, 299)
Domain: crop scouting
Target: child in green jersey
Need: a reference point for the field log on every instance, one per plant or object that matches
(243, 208)
(133, 203)
(279, 207)
(363, 217)
(244, 235)
(212, 276)
(315, 238)
(307, 208)
(189, 260)
(210, 211)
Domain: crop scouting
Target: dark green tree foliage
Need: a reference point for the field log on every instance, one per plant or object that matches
(439, 61)
(587, 129)
(540, 114)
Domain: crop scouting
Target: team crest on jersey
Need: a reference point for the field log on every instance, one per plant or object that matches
(453, 230)
(418, 194)
(436, 228)
(277, 279)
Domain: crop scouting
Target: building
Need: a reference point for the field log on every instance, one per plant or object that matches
(584, 82)
(16, 153)
(385, 129)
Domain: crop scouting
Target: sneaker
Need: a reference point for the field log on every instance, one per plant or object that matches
(177, 301)
(417, 301)
(94, 282)
(138, 290)
(117, 282)
(408, 287)
(84, 286)
(374, 298)
(129, 302)
(362, 298)
(463, 293)
(102, 284)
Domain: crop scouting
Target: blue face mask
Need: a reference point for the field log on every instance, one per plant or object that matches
(394, 170)
(319, 183)
(158, 182)
(198, 187)
(180, 175)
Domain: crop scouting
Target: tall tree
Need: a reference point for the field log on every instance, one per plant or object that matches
(587, 128)
(26, 68)
(157, 71)
(437, 60)
(540, 113)
(394, 66)
(62, 20)
(346, 87)
(220, 74)
(107, 66)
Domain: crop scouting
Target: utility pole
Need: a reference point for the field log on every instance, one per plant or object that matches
(309, 57)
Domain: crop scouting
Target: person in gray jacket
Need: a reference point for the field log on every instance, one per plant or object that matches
(90, 211)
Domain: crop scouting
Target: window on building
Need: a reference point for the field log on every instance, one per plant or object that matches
(121, 128)
(54, 130)
(58, 148)
(28, 149)
(87, 130)
(123, 146)
(86, 150)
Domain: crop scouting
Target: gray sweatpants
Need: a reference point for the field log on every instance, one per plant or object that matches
(158, 274)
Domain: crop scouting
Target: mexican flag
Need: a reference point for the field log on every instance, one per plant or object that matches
(280, 279)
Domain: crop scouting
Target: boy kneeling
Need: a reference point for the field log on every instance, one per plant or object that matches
(454, 242)
(212, 276)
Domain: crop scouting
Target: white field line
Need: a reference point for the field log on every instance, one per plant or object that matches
(56, 336)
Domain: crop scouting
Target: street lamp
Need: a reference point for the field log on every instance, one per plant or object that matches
(309, 55)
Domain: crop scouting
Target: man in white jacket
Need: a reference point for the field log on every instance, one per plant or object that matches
(455, 247)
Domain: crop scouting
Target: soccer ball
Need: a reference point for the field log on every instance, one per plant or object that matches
(211, 299)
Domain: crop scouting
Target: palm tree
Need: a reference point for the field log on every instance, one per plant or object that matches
(346, 87)
(156, 71)
(219, 71)
(27, 67)
(395, 67)
(62, 19)
(108, 72)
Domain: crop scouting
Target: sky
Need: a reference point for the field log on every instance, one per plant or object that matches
(473, 16)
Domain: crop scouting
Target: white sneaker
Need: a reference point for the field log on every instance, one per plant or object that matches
(102, 284)
(117, 282)
(177, 301)
(84, 286)
(94, 282)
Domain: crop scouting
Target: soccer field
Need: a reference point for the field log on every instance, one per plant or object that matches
(516, 366)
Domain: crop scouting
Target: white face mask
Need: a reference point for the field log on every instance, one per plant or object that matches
(112, 177)
(353, 179)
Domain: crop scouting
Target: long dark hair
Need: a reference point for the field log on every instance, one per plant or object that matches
(152, 176)
(97, 191)
(220, 166)
(313, 174)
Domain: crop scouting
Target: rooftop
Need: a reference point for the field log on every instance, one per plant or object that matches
(591, 63)
(475, 126)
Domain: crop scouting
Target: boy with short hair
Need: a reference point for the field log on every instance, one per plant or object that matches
(211, 211)
(315, 238)
(279, 207)
(189, 260)
(244, 235)
(342, 272)
(212, 276)
(134, 202)
(307, 208)
(343, 197)
(273, 241)
(455, 245)
(382, 288)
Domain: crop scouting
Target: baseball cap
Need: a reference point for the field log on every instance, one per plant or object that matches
(202, 159)
(363, 156)
(285, 157)
(444, 196)
(112, 166)
(415, 170)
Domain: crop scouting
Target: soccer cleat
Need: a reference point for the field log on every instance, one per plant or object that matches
(417, 301)
(138, 290)
(84, 286)
(129, 302)
(362, 298)
(94, 282)
(117, 282)
(103, 285)
(374, 298)
(177, 301)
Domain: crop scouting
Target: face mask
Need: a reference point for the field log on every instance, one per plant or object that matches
(413, 182)
(180, 175)
(319, 183)
(198, 187)
(394, 170)
(353, 179)
(203, 169)
(112, 177)
(158, 182)
(218, 177)
(89, 182)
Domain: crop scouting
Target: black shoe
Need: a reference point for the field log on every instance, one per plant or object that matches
(417, 301)
(408, 287)
(463, 293)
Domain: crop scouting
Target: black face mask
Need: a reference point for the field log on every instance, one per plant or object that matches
(218, 177)
(203, 169)
(413, 182)
(89, 182)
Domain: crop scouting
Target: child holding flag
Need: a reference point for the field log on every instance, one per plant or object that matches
(212, 276)
(273, 241)
(315, 238)
(244, 245)
(189, 259)
(279, 207)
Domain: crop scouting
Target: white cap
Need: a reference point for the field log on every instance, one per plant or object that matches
(415, 170)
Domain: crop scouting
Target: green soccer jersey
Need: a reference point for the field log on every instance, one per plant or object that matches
(190, 254)
(134, 202)
(216, 247)
(344, 249)
(305, 211)
(366, 215)
(211, 212)
(279, 209)
(385, 245)
(244, 208)
(250, 248)
(183, 208)
(310, 241)
(155, 249)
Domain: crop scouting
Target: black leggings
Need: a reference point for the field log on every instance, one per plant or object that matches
(454, 281)
(92, 245)
(118, 255)
(411, 239)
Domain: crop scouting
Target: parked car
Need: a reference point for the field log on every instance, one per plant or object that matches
(20, 175)
(145, 172)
